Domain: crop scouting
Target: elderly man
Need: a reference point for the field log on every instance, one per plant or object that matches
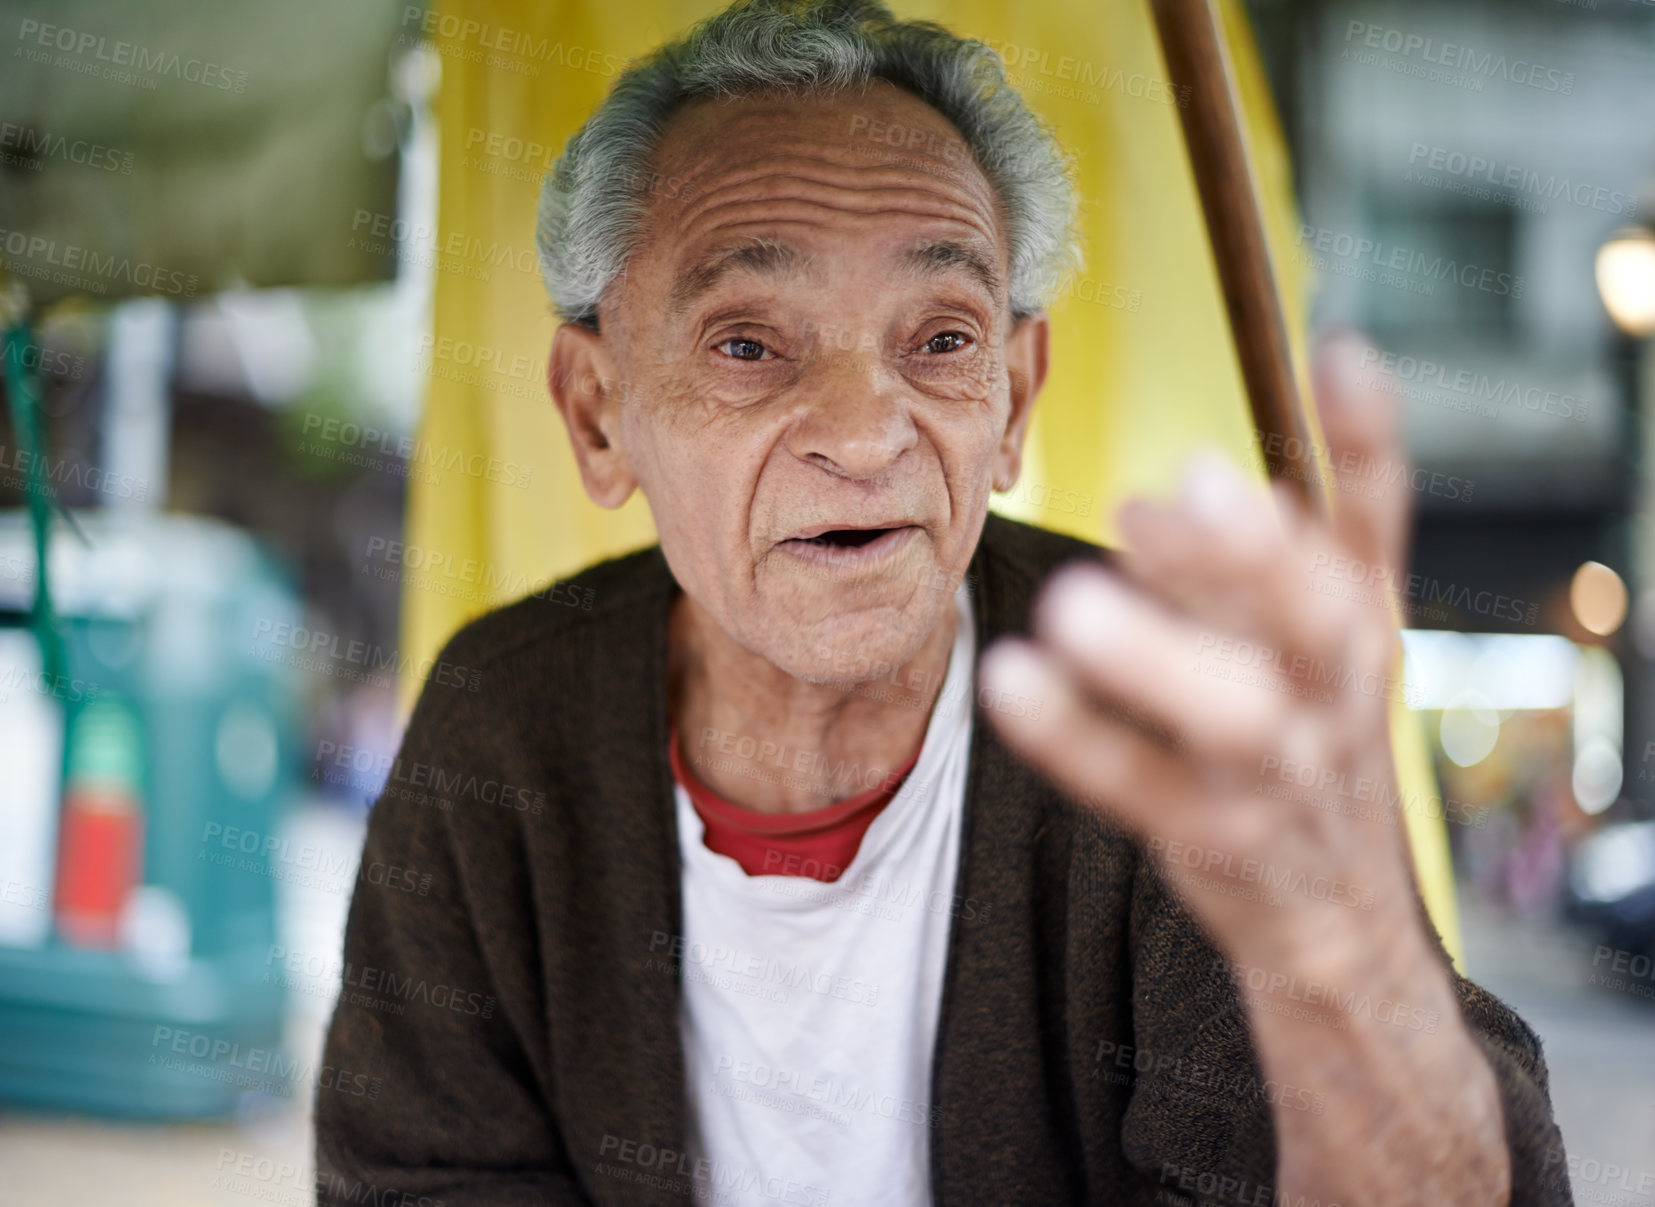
(749, 884)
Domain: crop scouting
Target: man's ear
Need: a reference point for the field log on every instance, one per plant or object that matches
(1027, 350)
(588, 392)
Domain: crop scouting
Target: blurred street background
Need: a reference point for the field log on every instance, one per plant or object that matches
(239, 262)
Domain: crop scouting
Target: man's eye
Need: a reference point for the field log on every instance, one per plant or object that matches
(742, 349)
(952, 340)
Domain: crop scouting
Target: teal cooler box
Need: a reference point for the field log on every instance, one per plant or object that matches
(161, 693)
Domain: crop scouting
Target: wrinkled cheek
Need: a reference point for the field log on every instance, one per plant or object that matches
(658, 441)
(975, 448)
(976, 391)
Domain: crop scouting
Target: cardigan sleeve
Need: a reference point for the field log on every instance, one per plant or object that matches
(438, 1022)
(1201, 1119)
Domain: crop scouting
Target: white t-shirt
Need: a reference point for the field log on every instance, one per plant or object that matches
(809, 1010)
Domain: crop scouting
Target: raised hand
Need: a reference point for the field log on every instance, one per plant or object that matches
(1226, 696)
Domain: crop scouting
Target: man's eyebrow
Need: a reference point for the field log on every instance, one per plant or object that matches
(764, 257)
(933, 258)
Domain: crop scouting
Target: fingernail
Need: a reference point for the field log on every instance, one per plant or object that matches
(1213, 488)
(1085, 610)
(1015, 668)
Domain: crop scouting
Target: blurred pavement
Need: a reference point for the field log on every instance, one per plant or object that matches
(1599, 1045)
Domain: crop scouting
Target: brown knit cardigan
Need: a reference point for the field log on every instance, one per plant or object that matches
(507, 1030)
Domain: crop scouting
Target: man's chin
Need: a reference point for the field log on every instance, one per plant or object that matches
(863, 645)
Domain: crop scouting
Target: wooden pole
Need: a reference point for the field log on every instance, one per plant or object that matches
(1192, 40)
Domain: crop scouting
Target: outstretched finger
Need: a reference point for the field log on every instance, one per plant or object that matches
(1373, 503)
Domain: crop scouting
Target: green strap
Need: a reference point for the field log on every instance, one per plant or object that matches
(22, 387)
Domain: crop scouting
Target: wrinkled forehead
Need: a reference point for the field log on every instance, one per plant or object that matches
(878, 150)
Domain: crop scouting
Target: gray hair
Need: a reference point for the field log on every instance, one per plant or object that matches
(595, 198)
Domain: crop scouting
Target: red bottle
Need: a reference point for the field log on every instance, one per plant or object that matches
(100, 848)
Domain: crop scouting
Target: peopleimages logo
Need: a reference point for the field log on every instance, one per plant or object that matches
(1420, 267)
(71, 264)
(1224, 865)
(759, 969)
(1461, 165)
(87, 50)
(1223, 1188)
(1329, 999)
(325, 436)
(514, 49)
(1028, 61)
(425, 246)
(1130, 1063)
(371, 980)
(1453, 57)
(1414, 377)
(18, 465)
(26, 147)
(1329, 573)
(652, 1165)
(328, 650)
(834, 1092)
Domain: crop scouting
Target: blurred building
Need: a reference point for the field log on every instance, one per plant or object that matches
(1460, 166)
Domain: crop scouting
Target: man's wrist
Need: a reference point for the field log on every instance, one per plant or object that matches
(1370, 1023)
(1379, 944)
(1348, 974)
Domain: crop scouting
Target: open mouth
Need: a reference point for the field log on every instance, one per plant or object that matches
(847, 547)
(848, 538)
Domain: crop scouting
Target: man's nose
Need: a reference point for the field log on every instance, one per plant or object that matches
(856, 421)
